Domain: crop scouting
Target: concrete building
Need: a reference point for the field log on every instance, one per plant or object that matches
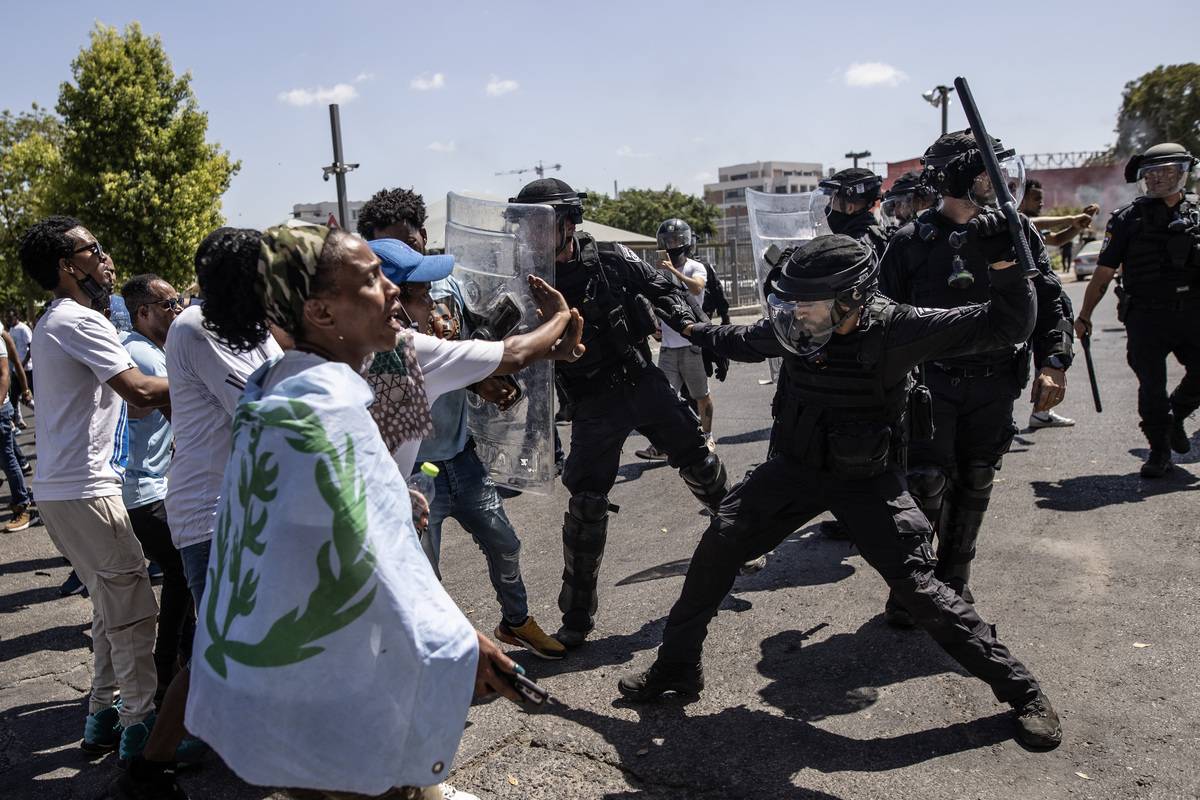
(729, 192)
(320, 212)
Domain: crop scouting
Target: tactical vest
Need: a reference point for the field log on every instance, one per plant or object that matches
(1159, 264)
(834, 412)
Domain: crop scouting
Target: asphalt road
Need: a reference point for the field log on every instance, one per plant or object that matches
(1089, 573)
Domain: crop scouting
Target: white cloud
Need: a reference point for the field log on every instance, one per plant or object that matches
(497, 86)
(873, 73)
(442, 147)
(340, 93)
(364, 76)
(427, 83)
(625, 151)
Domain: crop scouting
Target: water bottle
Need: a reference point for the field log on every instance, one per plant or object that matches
(424, 481)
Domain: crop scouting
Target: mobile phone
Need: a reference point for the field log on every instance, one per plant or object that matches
(529, 691)
(663, 255)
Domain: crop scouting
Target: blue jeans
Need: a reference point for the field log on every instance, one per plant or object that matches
(195, 569)
(464, 492)
(21, 494)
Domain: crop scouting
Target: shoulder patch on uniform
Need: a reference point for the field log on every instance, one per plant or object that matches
(625, 252)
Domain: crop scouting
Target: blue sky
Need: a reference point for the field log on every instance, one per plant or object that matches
(440, 96)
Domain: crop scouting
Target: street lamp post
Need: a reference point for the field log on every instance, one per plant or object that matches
(856, 156)
(939, 97)
(338, 168)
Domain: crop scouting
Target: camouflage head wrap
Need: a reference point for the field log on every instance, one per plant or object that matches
(287, 265)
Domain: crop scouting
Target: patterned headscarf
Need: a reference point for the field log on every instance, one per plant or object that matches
(287, 266)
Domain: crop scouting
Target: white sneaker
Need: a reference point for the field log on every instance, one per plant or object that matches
(450, 793)
(651, 453)
(1049, 419)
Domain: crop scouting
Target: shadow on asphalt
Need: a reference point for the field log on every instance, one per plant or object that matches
(748, 437)
(64, 638)
(18, 601)
(44, 736)
(603, 651)
(634, 469)
(1089, 492)
(31, 565)
(703, 756)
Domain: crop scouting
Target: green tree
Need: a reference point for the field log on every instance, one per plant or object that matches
(136, 167)
(642, 210)
(30, 161)
(1161, 106)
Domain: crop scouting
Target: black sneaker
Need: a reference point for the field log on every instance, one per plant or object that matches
(1037, 724)
(571, 638)
(1157, 463)
(897, 615)
(685, 679)
(72, 585)
(147, 780)
(1180, 442)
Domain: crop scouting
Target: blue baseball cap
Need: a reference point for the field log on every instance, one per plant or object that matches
(402, 264)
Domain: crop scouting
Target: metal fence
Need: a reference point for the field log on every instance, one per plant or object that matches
(732, 263)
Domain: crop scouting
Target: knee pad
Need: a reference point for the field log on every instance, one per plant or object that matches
(976, 478)
(927, 485)
(588, 507)
(706, 475)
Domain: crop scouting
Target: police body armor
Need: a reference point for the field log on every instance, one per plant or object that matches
(616, 322)
(833, 412)
(1162, 262)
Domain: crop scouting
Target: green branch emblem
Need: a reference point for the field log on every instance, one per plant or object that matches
(344, 563)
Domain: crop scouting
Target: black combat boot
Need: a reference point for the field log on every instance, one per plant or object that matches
(1037, 724)
(897, 615)
(682, 678)
(1180, 442)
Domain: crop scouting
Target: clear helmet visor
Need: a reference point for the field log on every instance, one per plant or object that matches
(801, 326)
(1163, 180)
(982, 192)
(897, 210)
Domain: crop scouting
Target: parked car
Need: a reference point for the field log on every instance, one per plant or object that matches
(1085, 259)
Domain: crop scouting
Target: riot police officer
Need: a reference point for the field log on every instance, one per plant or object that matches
(904, 200)
(840, 447)
(940, 260)
(1155, 242)
(852, 193)
(614, 389)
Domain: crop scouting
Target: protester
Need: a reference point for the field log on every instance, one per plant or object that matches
(153, 305)
(21, 337)
(85, 377)
(376, 623)
(22, 507)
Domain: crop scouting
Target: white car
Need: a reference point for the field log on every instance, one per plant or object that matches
(1085, 260)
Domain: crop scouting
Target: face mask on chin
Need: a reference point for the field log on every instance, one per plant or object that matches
(99, 297)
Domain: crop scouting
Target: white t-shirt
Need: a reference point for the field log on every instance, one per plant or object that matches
(21, 336)
(207, 380)
(446, 366)
(692, 269)
(81, 436)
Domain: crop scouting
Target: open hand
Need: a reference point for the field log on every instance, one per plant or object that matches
(549, 300)
(570, 346)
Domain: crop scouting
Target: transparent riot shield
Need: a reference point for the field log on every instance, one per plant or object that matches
(496, 247)
(782, 219)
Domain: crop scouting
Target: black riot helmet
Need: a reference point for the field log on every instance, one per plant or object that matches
(898, 201)
(1162, 170)
(819, 284)
(674, 234)
(558, 194)
(954, 167)
(855, 183)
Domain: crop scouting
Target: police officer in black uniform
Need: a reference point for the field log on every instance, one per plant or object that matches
(852, 193)
(1155, 242)
(904, 200)
(940, 260)
(614, 389)
(840, 447)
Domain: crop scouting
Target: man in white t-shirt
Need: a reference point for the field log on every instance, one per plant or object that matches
(22, 337)
(680, 360)
(85, 378)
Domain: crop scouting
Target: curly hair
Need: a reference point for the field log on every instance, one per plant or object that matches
(389, 206)
(226, 269)
(43, 245)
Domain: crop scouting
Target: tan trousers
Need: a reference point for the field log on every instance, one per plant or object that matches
(96, 537)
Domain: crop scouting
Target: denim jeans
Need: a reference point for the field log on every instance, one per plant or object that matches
(464, 492)
(195, 568)
(20, 493)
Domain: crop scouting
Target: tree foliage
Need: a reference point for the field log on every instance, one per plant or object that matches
(1161, 106)
(136, 168)
(642, 210)
(30, 163)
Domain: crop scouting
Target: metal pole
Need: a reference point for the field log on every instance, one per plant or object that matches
(945, 106)
(335, 126)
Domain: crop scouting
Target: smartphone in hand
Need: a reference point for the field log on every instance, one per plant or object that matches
(529, 691)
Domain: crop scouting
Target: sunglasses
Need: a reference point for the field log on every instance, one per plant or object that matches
(174, 304)
(94, 248)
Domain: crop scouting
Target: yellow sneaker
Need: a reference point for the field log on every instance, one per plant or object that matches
(532, 638)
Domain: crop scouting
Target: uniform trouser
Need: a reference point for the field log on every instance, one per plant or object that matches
(464, 492)
(882, 519)
(1154, 334)
(973, 429)
(97, 538)
(176, 622)
(601, 424)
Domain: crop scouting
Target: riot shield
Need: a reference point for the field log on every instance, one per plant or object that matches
(496, 247)
(782, 219)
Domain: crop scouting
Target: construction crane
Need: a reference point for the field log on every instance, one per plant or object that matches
(540, 169)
